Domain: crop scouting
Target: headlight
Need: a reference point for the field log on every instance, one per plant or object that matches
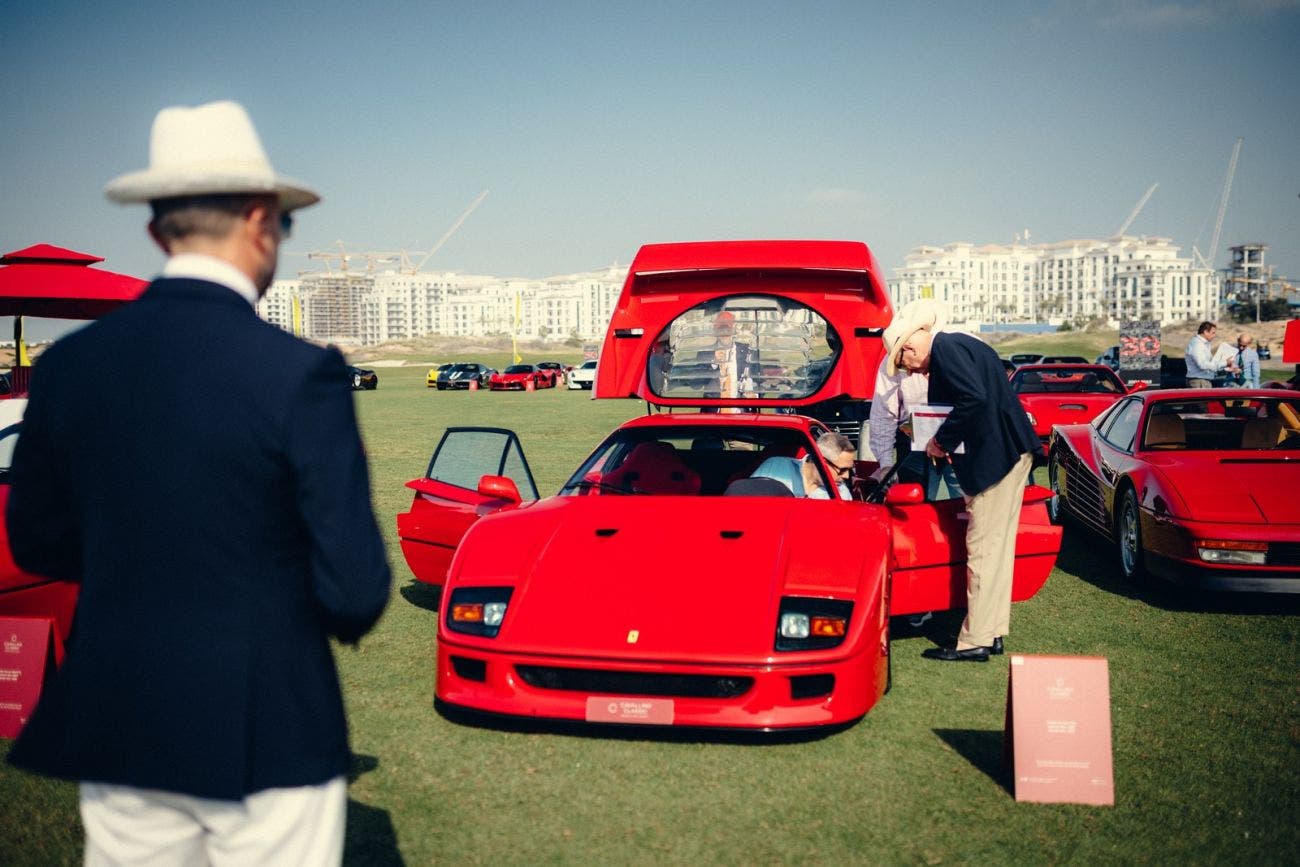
(1224, 551)
(478, 610)
(807, 623)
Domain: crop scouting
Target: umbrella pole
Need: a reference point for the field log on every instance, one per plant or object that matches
(20, 347)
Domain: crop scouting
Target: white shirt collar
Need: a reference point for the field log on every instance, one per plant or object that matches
(197, 266)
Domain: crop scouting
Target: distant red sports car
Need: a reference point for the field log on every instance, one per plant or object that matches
(1195, 485)
(1055, 394)
(518, 376)
(676, 578)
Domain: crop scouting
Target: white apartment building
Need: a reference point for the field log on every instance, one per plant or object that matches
(363, 308)
(1065, 281)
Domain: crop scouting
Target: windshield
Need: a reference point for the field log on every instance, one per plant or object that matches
(1227, 424)
(755, 347)
(464, 368)
(588, 365)
(693, 461)
(1066, 380)
(519, 368)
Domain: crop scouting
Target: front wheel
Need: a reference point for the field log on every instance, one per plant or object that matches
(1129, 536)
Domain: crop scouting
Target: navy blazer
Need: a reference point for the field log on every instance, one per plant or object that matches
(201, 473)
(967, 374)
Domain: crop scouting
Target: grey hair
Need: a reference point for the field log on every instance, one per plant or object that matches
(213, 215)
(832, 444)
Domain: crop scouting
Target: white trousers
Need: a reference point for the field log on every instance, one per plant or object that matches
(991, 556)
(301, 825)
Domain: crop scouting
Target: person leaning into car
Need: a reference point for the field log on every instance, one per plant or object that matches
(219, 542)
(999, 448)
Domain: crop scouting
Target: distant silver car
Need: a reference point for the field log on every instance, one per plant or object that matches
(583, 376)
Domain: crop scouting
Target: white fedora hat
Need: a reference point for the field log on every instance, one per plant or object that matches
(923, 314)
(207, 150)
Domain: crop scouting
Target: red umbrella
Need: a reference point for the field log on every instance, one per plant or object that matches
(50, 281)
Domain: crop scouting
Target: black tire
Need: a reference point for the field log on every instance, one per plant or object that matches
(1128, 536)
(1055, 511)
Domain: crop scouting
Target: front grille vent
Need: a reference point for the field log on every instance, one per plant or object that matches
(593, 680)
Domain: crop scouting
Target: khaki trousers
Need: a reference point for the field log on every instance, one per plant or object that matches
(293, 826)
(991, 556)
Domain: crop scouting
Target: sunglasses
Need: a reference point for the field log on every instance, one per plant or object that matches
(842, 471)
(286, 224)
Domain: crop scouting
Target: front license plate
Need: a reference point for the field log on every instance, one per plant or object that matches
(642, 711)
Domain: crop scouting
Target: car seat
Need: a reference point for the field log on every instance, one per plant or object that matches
(655, 468)
(1261, 433)
(1166, 432)
(757, 486)
(1031, 383)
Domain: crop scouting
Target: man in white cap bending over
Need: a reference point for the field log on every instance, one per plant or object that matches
(1000, 443)
(218, 516)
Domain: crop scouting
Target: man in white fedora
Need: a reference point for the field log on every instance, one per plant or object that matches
(218, 517)
(999, 445)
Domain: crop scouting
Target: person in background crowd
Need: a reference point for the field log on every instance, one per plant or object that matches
(219, 541)
(999, 447)
(1247, 360)
(1201, 367)
(888, 431)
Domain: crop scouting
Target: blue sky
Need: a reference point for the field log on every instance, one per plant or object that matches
(601, 126)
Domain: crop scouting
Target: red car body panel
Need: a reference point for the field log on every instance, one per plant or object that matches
(672, 601)
(1187, 494)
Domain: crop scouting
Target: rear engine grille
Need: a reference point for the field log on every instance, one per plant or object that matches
(1284, 554)
(634, 682)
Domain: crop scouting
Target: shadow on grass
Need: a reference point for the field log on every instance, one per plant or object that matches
(422, 595)
(984, 750)
(617, 731)
(370, 836)
(1085, 554)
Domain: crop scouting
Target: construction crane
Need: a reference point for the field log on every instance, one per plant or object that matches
(1136, 210)
(1223, 206)
(402, 257)
(447, 235)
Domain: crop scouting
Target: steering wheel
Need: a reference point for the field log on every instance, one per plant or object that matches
(877, 494)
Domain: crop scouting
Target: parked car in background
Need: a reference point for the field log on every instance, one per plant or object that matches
(557, 370)
(1196, 486)
(1063, 359)
(1055, 394)
(583, 376)
(518, 377)
(1026, 358)
(362, 379)
(461, 374)
(432, 379)
(1264, 351)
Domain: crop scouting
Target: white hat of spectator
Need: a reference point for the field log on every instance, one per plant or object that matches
(923, 314)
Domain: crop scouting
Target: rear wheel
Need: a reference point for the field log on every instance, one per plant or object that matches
(1053, 470)
(1129, 536)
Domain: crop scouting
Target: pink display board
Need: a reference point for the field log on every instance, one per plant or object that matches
(1058, 729)
(26, 654)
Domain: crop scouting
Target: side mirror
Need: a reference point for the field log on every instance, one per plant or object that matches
(905, 494)
(1140, 385)
(499, 488)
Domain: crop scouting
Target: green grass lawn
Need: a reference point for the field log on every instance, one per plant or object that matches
(1205, 708)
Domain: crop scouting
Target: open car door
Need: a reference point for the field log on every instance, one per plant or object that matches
(475, 471)
(929, 540)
